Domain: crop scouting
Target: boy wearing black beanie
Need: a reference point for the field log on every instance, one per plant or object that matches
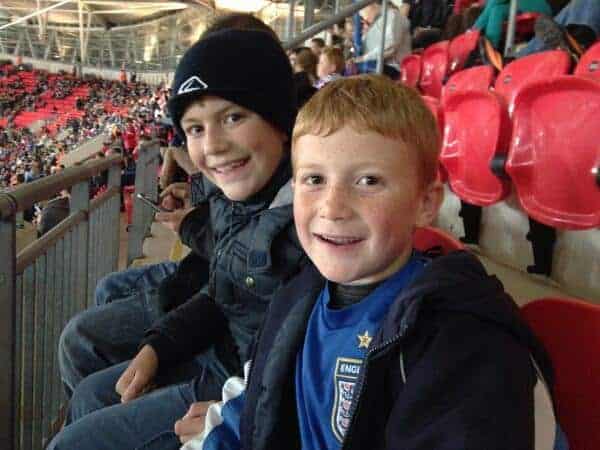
(236, 119)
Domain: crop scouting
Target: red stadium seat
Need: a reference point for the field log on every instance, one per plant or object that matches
(434, 68)
(554, 158)
(539, 66)
(476, 130)
(478, 78)
(428, 238)
(589, 64)
(570, 332)
(410, 70)
(460, 48)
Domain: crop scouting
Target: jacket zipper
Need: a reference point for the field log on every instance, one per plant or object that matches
(362, 381)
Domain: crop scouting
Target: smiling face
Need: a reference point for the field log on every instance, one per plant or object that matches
(232, 146)
(357, 201)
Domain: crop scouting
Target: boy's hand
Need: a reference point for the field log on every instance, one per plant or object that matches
(173, 219)
(137, 377)
(192, 424)
(175, 196)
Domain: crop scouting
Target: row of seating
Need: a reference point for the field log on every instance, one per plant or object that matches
(534, 130)
(569, 329)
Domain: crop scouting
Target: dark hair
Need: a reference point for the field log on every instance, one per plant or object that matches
(238, 21)
(320, 42)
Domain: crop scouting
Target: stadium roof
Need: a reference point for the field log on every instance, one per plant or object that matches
(95, 13)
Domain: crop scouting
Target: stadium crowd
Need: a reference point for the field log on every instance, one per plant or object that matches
(192, 325)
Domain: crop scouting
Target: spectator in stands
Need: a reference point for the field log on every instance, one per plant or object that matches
(495, 12)
(379, 346)
(427, 19)
(397, 42)
(54, 212)
(575, 28)
(317, 45)
(237, 123)
(305, 73)
(331, 66)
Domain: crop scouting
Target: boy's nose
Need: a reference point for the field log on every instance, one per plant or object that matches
(335, 204)
(214, 141)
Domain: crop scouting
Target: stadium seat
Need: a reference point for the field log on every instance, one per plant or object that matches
(589, 64)
(569, 329)
(434, 66)
(539, 66)
(410, 70)
(430, 238)
(478, 78)
(476, 130)
(525, 23)
(554, 158)
(460, 48)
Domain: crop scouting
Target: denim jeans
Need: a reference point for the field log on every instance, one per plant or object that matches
(110, 332)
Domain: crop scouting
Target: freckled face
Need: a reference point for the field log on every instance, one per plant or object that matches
(357, 201)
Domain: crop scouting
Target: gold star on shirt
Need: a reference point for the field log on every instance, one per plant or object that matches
(364, 340)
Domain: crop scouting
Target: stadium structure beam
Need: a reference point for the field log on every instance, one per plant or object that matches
(51, 39)
(35, 14)
(309, 13)
(291, 20)
(32, 50)
(18, 44)
(111, 52)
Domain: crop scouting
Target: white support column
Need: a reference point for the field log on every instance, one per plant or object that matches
(58, 44)
(51, 39)
(81, 32)
(18, 44)
(111, 52)
(32, 50)
(86, 37)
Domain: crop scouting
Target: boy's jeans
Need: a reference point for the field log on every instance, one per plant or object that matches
(96, 419)
(110, 332)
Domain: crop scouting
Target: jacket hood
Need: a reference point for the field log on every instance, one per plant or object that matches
(459, 283)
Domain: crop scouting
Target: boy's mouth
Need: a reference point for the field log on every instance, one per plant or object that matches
(338, 240)
(223, 169)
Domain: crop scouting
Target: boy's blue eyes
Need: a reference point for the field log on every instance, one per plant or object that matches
(368, 180)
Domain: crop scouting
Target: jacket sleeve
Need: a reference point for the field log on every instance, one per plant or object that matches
(469, 386)
(222, 423)
(186, 330)
(195, 230)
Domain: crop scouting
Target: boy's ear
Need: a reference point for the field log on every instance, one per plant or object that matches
(292, 184)
(431, 201)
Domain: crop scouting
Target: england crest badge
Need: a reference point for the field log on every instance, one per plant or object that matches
(345, 377)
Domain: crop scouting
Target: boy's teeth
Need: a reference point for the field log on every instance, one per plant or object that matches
(340, 240)
(231, 166)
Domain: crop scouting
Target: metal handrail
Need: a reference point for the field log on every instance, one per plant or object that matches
(27, 195)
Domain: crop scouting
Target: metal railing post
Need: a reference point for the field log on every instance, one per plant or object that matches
(114, 180)
(324, 24)
(145, 183)
(309, 13)
(380, 56)
(80, 201)
(8, 378)
(291, 21)
(510, 31)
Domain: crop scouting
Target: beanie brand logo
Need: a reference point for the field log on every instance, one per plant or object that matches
(192, 84)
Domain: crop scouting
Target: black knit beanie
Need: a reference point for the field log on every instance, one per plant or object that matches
(249, 68)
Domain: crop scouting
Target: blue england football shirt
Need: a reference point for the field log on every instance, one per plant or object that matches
(328, 365)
